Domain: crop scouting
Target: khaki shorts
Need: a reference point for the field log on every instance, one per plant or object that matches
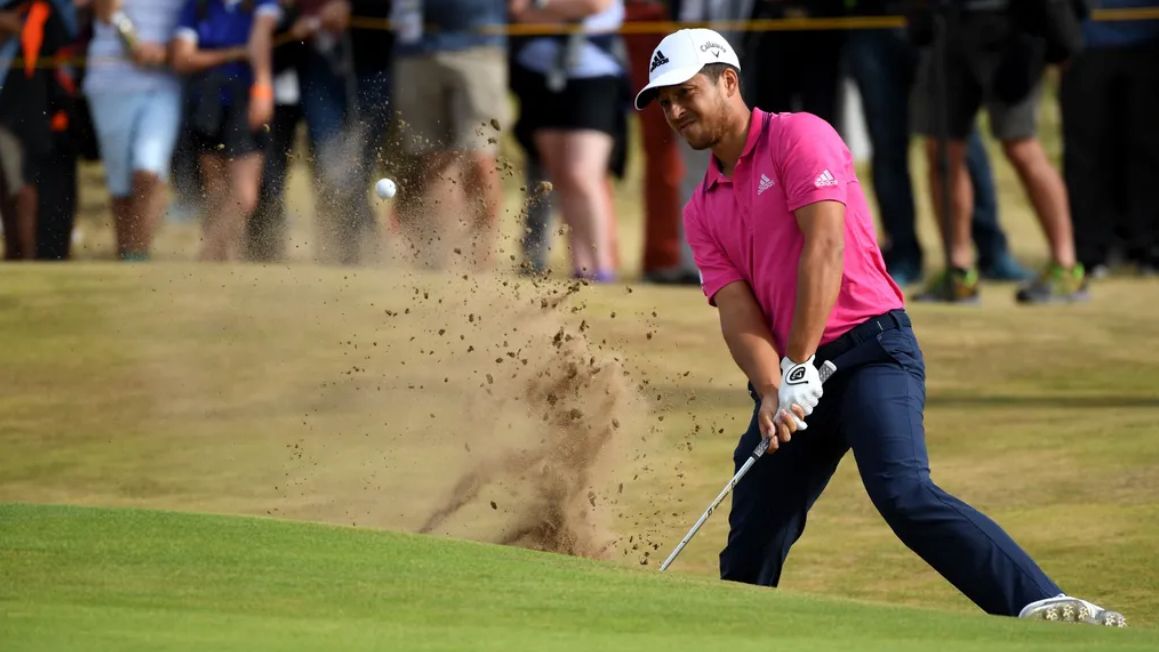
(11, 163)
(448, 100)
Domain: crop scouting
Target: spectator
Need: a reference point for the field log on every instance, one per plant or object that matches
(30, 30)
(72, 137)
(883, 62)
(135, 100)
(450, 81)
(225, 45)
(373, 52)
(724, 17)
(316, 84)
(989, 59)
(573, 107)
(811, 81)
(1110, 99)
(664, 261)
(266, 229)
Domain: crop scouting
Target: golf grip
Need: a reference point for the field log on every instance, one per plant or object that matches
(824, 373)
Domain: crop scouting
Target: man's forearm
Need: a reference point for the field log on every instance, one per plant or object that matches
(260, 51)
(104, 9)
(748, 338)
(819, 273)
(188, 60)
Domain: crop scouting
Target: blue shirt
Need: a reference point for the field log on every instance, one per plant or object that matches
(1121, 33)
(448, 25)
(219, 24)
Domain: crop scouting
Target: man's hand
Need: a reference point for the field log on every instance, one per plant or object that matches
(775, 424)
(150, 55)
(261, 111)
(800, 388)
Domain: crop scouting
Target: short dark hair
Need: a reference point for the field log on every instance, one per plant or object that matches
(714, 70)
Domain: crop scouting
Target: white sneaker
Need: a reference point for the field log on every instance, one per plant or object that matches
(1063, 608)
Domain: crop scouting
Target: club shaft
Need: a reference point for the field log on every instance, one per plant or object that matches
(708, 512)
(824, 372)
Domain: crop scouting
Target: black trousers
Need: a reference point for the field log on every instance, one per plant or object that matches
(57, 188)
(1110, 100)
(873, 405)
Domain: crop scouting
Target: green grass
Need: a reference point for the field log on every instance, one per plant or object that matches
(78, 578)
(289, 392)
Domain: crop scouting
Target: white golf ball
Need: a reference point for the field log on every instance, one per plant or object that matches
(385, 188)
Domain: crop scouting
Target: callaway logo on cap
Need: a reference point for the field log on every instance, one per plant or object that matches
(680, 56)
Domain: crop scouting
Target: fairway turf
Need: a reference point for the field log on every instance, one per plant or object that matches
(233, 390)
(286, 391)
(109, 579)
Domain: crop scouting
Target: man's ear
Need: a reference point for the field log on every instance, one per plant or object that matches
(731, 82)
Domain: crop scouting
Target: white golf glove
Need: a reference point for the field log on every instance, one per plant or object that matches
(800, 384)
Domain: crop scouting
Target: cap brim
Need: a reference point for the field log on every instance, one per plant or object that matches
(670, 78)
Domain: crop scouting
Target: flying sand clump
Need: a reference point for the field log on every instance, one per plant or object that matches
(546, 421)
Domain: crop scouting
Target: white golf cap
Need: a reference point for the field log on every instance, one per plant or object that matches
(680, 56)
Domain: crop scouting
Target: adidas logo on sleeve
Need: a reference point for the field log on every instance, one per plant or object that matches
(824, 179)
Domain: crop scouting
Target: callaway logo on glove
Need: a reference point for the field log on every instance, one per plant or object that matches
(800, 385)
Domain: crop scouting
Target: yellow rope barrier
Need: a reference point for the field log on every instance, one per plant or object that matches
(664, 27)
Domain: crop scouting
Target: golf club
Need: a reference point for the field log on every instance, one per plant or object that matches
(824, 372)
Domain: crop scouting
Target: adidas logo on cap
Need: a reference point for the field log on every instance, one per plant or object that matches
(658, 60)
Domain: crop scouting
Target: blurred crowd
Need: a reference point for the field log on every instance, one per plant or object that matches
(200, 102)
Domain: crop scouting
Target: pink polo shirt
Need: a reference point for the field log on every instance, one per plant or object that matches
(743, 229)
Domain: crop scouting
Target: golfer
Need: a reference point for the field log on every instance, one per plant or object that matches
(787, 251)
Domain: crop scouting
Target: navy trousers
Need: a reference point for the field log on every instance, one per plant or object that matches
(873, 405)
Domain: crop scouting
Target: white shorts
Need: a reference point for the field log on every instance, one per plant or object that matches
(137, 131)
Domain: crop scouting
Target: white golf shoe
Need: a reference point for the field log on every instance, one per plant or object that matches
(1065, 609)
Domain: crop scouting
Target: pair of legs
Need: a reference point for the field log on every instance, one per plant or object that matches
(873, 405)
(986, 60)
(336, 149)
(663, 165)
(18, 199)
(452, 109)
(1040, 179)
(883, 63)
(18, 211)
(136, 216)
(536, 240)
(231, 193)
(448, 192)
(576, 161)
(1109, 101)
(56, 210)
(137, 131)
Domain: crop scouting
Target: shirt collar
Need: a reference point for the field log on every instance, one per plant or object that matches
(756, 127)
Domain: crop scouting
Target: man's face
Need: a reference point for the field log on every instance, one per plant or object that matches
(696, 109)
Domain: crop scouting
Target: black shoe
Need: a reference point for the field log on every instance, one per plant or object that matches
(673, 276)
